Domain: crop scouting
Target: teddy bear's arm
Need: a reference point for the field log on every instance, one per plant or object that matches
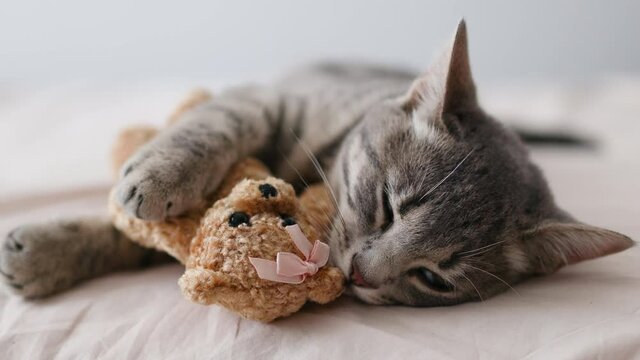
(127, 142)
(326, 285)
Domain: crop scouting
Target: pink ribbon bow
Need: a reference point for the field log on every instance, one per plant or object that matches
(288, 267)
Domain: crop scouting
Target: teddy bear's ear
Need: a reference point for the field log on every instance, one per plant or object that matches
(326, 285)
(202, 285)
(195, 98)
(248, 168)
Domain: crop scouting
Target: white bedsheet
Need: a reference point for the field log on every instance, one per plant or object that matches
(53, 146)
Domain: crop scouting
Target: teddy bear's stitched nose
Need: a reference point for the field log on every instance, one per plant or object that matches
(268, 190)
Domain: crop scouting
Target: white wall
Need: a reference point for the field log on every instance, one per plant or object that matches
(125, 39)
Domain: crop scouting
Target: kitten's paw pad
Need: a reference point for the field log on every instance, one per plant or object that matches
(28, 265)
(154, 188)
(143, 199)
(146, 199)
(12, 243)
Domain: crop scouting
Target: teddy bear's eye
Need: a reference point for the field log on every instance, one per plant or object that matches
(238, 218)
(287, 220)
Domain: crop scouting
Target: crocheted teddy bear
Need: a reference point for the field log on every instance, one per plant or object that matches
(248, 251)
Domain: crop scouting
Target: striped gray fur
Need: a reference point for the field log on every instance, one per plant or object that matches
(438, 203)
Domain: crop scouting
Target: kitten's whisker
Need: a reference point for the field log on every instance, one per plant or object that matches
(448, 175)
(425, 175)
(496, 277)
(320, 172)
(326, 220)
(479, 250)
(468, 256)
(306, 184)
(339, 231)
(479, 262)
(472, 284)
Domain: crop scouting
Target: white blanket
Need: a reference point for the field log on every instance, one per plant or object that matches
(53, 150)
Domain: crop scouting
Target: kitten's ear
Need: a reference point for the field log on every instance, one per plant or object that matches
(553, 245)
(447, 87)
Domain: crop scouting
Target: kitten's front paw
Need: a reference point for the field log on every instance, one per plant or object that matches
(31, 266)
(157, 184)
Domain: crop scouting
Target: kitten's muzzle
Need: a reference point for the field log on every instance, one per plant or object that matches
(356, 277)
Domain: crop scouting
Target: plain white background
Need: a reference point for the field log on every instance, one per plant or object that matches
(571, 40)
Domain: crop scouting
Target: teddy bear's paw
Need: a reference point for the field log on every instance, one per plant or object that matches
(159, 182)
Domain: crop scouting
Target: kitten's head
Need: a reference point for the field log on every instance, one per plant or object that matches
(442, 205)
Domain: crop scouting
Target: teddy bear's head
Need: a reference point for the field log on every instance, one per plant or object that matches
(250, 222)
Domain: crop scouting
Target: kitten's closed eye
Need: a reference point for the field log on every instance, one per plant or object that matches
(387, 209)
(431, 279)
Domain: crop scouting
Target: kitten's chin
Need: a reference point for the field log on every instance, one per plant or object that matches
(369, 296)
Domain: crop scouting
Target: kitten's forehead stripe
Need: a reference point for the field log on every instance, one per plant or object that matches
(367, 203)
(369, 149)
(345, 171)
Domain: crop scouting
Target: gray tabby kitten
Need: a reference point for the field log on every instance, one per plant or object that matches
(439, 204)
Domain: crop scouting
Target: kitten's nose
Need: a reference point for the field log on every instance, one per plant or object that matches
(356, 276)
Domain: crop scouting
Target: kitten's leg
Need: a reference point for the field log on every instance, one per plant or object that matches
(186, 162)
(41, 259)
